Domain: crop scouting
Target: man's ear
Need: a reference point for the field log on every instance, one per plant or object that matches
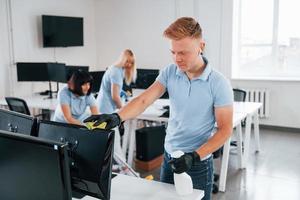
(202, 46)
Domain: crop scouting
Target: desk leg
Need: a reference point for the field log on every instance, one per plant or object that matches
(256, 132)
(117, 146)
(127, 131)
(239, 145)
(224, 165)
(247, 140)
(132, 142)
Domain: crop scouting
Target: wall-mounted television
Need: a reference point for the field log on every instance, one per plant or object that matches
(60, 31)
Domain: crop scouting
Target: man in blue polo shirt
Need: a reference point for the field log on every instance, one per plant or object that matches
(199, 96)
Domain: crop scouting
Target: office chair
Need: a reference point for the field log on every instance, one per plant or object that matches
(20, 106)
(240, 96)
(17, 105)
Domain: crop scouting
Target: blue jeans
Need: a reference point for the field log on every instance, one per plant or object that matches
(201, 174)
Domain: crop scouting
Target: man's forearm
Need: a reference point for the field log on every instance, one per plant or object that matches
(215, 142)
(137, 105)
(134, 108)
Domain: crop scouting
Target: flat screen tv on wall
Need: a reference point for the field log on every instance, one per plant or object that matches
(59, 31)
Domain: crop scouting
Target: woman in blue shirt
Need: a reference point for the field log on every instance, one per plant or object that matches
(109, 98)
(74, 99)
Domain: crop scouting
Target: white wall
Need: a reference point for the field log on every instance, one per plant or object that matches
(284, 101)
(112, 25)
(139, 25)
(133, 24)
(4, 50)
(209, 14)
(27, 36)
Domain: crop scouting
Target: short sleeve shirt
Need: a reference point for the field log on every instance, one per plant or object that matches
(192, 103)
(113, 75)
(78, 105)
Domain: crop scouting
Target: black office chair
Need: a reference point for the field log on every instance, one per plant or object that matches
(238, 95)
(17, 105)
(20, 106)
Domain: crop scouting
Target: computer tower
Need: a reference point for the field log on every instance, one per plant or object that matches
(150, 142)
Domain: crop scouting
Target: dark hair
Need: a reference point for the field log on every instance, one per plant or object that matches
(78, 78)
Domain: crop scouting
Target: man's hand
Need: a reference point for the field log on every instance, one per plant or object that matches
(112, 120)
(184, 163)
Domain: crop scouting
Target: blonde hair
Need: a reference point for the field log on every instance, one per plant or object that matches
(183, 27)
(130, 76)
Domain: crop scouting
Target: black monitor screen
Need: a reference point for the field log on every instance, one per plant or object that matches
(61, 31)
(97, 77)
(145, 78)
(17, 122)
(57, 72)
(91, 153)
(71, 69)
(32, 168)
(32, 71)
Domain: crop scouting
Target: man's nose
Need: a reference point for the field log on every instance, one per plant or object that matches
(178, 58)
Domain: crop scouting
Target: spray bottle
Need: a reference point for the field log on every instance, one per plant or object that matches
(183, 182)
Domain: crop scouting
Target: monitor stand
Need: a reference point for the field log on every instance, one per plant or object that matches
(50, 92)
(44, 93)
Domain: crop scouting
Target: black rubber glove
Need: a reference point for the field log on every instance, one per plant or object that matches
(184, 163)
(112, 120)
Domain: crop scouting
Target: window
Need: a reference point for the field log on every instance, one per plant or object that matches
(267, 42)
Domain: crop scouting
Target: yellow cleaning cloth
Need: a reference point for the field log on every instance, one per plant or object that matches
(149, 177)
(90, 125)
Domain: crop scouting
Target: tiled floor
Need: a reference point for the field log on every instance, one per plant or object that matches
(273, 173)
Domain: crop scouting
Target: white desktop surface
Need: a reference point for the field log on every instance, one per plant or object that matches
(242, 110)
(37, 101)
(131, 188)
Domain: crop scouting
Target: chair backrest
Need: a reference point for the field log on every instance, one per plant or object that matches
(239, 95)
(17, 105)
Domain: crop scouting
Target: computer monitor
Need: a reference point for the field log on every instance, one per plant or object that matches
(91, 154)
(97, 77)
(72, 68)
(17, 122)
(32, 71)
(57, 72)
(43, 72)
(32, 168)
(145, 78)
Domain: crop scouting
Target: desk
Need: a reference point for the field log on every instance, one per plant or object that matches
(36, 101)
(251, 111)
(242, 110)
(132, 188)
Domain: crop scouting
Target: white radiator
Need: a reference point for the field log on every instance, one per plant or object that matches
(262, 96)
